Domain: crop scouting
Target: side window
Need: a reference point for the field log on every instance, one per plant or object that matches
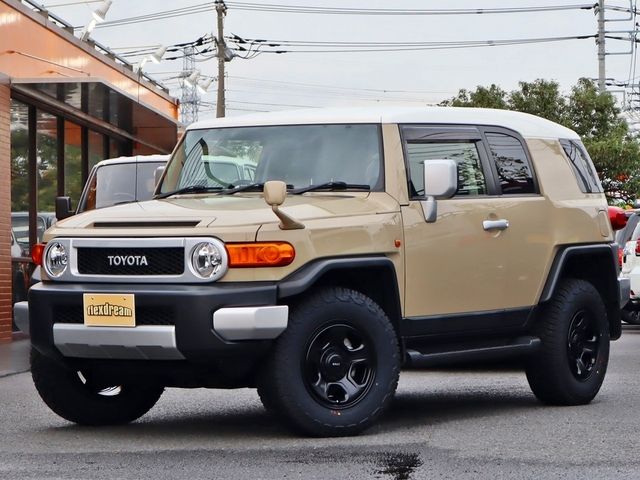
(514, 172)
(582, 166)
(471, 179)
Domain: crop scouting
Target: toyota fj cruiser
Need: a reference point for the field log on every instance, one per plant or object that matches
(364, 242)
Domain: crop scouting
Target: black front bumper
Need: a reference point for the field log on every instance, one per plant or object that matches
(191, 310)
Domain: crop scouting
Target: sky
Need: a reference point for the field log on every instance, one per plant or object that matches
(311, 79)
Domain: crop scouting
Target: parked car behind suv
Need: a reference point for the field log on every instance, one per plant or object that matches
(121, 180)
(20, 227)
(629, 241)
(367, 241)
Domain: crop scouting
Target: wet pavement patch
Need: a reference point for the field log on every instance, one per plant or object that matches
(398, 466)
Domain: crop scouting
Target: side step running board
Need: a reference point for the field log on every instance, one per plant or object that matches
(466, 353)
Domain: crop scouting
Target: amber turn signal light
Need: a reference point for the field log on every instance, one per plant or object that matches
(36, 253)
(260, 254)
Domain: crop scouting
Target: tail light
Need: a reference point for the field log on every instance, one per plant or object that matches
(618, 218)
(621, 255)
(637, 248)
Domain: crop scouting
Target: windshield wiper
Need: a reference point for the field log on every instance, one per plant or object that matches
(189, 189)
(332, 186)
(258, 187)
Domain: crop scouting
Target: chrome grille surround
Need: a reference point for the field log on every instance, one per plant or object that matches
(186, 243)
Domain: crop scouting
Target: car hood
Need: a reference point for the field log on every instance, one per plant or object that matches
(241, 212)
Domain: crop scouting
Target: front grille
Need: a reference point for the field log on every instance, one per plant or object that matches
(128, 261)
(144, 315)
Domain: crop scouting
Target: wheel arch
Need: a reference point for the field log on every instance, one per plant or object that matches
(374, 276)
(596, 264)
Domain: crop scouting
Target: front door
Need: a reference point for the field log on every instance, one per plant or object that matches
(458, 268)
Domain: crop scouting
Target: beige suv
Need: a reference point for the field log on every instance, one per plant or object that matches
(365, 241)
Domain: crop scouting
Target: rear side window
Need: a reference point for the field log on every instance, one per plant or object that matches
(582, 166)
(471, 179)
(515, 174)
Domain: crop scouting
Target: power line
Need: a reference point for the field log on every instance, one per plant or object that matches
(324, 86)
(280, 8)
(418, 46)
(160, 15)
(273, 104)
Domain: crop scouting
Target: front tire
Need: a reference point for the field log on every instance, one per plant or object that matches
(335, 369)
(75, 397)
(571, 365)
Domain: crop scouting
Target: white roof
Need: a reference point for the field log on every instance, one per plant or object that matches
(523, 123)
(134, 159)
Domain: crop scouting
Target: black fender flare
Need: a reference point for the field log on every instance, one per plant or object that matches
(306, 277)
(605, 280)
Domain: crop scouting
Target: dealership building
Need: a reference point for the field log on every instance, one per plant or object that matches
(65, 104)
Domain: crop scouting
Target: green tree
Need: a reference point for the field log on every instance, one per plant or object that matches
(594, 114)
(482, 97)
(541, 98)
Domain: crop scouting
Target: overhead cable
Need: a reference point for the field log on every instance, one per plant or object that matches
(281, 8)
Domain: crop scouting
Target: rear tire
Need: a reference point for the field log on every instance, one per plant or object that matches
(572, 362)
(71, 395)
(335, 369)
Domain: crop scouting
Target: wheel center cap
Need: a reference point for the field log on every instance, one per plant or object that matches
(333, 366)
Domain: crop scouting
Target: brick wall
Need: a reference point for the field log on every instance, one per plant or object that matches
(5, 214)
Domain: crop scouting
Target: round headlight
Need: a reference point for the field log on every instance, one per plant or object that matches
(56, 260)
(208, 260)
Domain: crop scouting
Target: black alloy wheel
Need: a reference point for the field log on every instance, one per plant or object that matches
(583, 342)
(571, 364)
(339, 367)
(334, 370)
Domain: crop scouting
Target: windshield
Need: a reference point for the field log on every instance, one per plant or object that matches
(119, 183)
(300, 156)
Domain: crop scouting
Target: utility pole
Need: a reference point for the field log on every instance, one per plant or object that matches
(221, 47)
(601, 47)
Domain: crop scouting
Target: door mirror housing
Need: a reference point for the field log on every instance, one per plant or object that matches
(440, 178)
(63, 208)
(440, 182)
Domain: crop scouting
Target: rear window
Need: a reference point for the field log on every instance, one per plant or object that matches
(582, 166)
(512, 165)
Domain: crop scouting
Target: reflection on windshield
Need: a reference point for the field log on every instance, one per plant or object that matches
(300, 155)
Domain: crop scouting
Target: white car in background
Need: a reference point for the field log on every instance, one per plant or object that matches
(630, 265)
(121, 180)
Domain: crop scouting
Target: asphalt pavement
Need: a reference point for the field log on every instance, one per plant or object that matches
(462, 423)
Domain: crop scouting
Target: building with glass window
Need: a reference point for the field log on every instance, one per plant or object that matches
(65, 104)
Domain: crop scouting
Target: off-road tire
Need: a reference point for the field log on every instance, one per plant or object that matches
(286, 387)
(552, 373)
(64, 392)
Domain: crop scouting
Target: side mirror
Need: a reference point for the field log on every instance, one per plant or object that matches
(157, 175)
(440, 178)
(440, 182)
(275, 193)
(63, 208)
